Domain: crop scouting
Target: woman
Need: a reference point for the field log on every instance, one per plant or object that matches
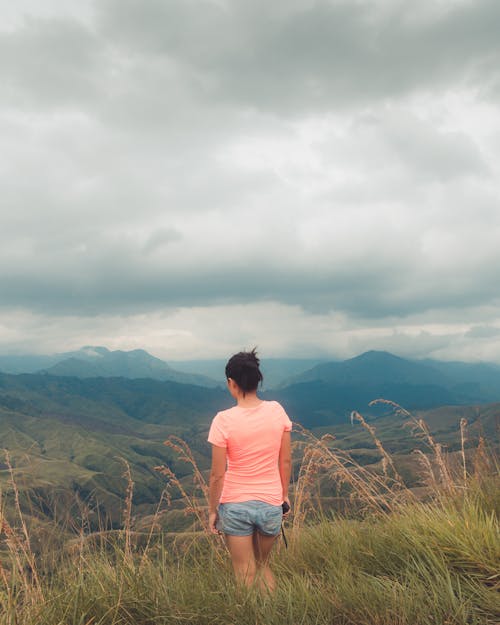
(251, 465)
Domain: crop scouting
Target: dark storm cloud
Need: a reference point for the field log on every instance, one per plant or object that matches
(300, 56)
(102, 273)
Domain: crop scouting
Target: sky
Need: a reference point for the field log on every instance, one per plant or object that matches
(195, 177)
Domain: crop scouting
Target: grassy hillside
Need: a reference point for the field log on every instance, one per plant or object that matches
(390, 560)
(69, 439)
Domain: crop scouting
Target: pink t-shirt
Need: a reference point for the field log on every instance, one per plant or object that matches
(252, 437)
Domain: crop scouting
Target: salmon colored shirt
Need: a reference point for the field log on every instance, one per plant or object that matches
(252, 438)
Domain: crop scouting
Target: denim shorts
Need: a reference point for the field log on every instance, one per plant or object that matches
(244, 518)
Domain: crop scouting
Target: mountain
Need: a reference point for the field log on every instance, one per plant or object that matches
(91, 361)
(328, 392)
(94, 362)
(28, 363)
(373, 367)
(69, 435)
(484, 375)
(274, 370)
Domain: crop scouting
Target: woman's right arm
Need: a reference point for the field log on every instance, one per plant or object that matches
(217, 474)
(285, 463)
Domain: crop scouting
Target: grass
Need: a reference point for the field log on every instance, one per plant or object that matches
(395, 560)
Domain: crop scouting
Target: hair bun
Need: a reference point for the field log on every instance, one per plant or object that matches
(243, 368)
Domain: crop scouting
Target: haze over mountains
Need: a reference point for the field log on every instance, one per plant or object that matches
(67, 433)
(316, 395)
(97, 361)
(476, 381)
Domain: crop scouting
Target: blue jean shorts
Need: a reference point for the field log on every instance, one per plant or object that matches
(244, 518)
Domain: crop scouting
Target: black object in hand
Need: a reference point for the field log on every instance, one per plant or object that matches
(285, 506)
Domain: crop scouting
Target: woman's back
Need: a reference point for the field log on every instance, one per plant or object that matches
(252, 437)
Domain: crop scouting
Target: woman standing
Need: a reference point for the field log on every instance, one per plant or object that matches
(251, 465)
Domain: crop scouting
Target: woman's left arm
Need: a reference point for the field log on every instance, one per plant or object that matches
(217, 473)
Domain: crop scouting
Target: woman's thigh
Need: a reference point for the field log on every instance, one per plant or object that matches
(242, 554)
(262, 546)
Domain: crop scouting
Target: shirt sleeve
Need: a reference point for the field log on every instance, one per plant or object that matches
(287, 424)
(216, 435)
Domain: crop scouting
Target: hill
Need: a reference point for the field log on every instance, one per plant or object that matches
(93, 362)
(328, 392)
(68, 435)
(274, 370)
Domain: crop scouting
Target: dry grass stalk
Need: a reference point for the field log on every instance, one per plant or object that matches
(485, 461)
(386, 458)
(3, 575)
(397, 408)
(368, 488)
(165, 496)
(431, 481)
(463, 436)
(446, 481)
(306, 480)
(16, 550)
(186, 455)
(127, 521)
(21, 546)
(192, 505)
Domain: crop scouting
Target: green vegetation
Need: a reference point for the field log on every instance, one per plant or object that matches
(395, 557)
(67, 439)
(425, 564)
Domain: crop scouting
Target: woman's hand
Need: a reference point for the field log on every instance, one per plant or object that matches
(213, 517)
(286, 500)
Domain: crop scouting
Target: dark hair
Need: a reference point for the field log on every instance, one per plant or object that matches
(243, 368)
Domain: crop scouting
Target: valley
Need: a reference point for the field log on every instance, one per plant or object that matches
(70, 439)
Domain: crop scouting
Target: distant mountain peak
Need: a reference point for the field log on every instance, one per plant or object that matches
(97, 361)
(93, 351)
(374, 354)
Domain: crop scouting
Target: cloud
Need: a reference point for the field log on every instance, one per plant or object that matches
(483, 332)
(309, 56)
(50, 63)
(216, 331)
(300, 160)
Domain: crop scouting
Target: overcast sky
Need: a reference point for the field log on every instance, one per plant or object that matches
(193, 177)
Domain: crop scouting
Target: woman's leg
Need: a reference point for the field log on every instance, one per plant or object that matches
(243, 558)
(262, 546)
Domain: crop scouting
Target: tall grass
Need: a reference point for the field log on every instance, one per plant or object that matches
(396, 561)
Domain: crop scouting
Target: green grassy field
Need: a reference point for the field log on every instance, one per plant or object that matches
(434, 563)
(68, 462)
(394, 556)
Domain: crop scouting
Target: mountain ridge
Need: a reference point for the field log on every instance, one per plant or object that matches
(97, 361)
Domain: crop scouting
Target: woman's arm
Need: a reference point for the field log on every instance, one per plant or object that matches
(285, 463)
(217, 473)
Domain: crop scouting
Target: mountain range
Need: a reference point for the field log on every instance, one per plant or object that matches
(68, 434)
(96, 362)
(448, 382)
(320, 395)
(328, 391)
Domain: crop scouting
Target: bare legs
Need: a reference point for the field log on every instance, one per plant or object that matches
(250, 558)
